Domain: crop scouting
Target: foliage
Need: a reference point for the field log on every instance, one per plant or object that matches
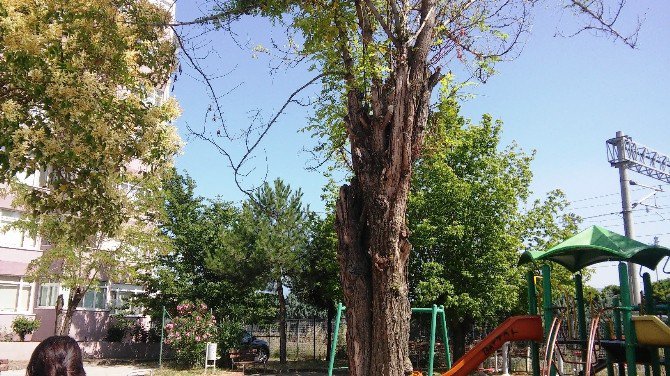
(464, 217)
(273, 225)
(22, 325)
(189, 332)
(661, 290)
(78, 78)
(316, 280)
(467, 222)
(379, 62)
(124, 329)
(205, 264)
(201, 265)
(299, 309)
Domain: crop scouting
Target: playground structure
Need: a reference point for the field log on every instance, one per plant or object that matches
(614, 337)
(515, 328)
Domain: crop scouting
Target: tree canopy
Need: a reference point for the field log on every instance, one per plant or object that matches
(80, 93)
(466, 213)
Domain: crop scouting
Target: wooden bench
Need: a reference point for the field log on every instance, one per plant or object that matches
(243, 358)
(4, 365)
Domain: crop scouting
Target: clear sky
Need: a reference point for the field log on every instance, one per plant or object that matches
(563, 97)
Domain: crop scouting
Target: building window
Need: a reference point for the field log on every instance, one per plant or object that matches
(48, 294)
(15, 294)
(95, 297)
(11, 237)
(122, 299)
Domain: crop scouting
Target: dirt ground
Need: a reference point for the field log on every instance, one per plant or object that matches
(96, 368)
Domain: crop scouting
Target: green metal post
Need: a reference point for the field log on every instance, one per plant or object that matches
(431, 351)
(532, 309)
(160, 354)
(547, 307)
(618, 331)
(336, 332)
(445, 333)
(608, 357)
(581, 314)
(650, 307)
(628, 331)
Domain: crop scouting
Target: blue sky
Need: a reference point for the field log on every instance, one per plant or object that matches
(562, 97)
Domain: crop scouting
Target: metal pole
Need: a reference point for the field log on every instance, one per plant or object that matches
(314, 338)
(624, 183)
(618, 332)
(581, 316)
(608, 357)
(651, 310)
(505, 359)
(548, 308)
(336, 331)
(160, 354)
(628, 331)
(532, 309)
(431, 353)
(445, 333)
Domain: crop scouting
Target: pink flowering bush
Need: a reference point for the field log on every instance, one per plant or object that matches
(188, 333)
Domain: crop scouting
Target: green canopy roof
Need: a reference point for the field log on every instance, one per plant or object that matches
(597, 244)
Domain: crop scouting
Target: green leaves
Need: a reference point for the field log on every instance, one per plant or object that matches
(77, 78)
(467, 220)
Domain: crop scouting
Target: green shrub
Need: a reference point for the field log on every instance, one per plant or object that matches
(122, 328)
(23, 325)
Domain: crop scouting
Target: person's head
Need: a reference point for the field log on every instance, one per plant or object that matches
(56, 356)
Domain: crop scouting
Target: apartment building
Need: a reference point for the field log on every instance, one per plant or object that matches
(19, 297)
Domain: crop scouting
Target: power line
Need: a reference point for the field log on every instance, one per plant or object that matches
(595, 206)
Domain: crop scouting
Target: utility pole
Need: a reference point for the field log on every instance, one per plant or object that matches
(624, 184)
(624, 154)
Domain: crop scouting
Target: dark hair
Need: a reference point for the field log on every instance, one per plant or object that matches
(56, 356)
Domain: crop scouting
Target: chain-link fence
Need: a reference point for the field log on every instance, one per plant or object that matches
(305, 338)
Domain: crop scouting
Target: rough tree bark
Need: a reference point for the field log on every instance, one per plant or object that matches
(386, 135)
(282, 321)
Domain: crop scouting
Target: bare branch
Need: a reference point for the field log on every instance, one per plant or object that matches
(602, 23)
(251, 146)
(382, 22)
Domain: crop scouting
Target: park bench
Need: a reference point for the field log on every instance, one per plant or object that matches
(4, 365)
(244, 357)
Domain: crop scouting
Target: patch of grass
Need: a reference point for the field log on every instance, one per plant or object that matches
(194, 372)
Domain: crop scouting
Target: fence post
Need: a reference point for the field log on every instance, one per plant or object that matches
(297, 340)
(160, 354)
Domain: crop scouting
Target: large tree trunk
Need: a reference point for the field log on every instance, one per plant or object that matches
(282, 321)
(386, 138)
(64, 317)
(460, 330)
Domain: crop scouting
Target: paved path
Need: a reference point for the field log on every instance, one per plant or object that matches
(91, 370)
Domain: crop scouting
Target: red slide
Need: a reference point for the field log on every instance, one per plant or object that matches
(515, 328)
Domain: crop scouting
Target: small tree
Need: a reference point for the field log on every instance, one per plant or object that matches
(23, 326)
(274, 224)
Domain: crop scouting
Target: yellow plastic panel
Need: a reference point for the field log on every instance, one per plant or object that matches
(650, 330)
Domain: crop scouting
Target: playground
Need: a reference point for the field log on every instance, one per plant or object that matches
(616, 336)
(557, 336)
